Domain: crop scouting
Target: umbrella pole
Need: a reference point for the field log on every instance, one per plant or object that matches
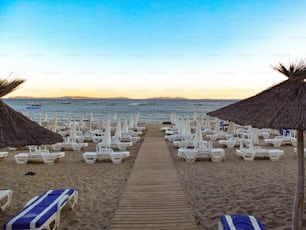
(297, 214)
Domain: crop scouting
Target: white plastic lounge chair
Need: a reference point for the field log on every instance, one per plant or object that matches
(3, 155)
(38, 156)
(250, 153)
(57, 147)
(7, 196)
(189, 154)
(105, 152)
(203, 151)
(130, 137)
(117, 144)
(216, 136)
(73, 146)
(230, 143)
(43, 211)
(239, 222)
(277, 141)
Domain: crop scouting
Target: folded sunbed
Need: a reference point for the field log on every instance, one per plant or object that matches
(240, 222)
(43, 212)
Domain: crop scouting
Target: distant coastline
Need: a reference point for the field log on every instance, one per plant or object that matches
(113, 98)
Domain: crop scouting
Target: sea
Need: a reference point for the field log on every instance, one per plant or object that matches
(149, 110)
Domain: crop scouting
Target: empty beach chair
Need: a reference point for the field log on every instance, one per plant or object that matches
(5, 198)
(39, 156)
(3, 155)
(104, 152)
(43, 211)
(240, 222)
(115, 157)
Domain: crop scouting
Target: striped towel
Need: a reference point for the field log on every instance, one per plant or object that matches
(241, 222)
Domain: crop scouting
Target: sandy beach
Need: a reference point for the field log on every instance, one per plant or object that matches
(99, 185)
(262, 187)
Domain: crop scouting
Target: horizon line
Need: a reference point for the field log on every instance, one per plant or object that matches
(113, 98)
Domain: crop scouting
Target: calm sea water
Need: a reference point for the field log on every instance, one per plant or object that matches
(149, 110)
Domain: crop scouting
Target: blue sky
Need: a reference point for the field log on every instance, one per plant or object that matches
(139, 49)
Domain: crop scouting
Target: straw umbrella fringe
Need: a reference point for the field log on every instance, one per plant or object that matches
(281, 106)
(16, 129)
(7, 87)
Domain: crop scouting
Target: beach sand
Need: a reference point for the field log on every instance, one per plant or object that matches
(262, 188)
(99, 185)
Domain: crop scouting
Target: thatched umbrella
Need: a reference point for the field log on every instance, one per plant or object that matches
(16, 129)
(281, 106)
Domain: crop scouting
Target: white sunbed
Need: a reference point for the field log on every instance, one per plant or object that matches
(230, 143)
(277, 141)
(183, 143)
(39, 156)
(128, 137)
(105, 153)
(43, 212)
(74, 146)
(3, 155)
(69, 146)
(6, 198)
(249, 154)
(216, 136)
(192, 154)
(121, 145)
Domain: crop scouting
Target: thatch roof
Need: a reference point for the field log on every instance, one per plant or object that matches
(16, 130)
(281, 106)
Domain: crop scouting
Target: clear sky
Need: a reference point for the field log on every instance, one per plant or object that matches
(149, 48)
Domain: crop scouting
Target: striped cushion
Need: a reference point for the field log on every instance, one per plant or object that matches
(241, 222)
(36, 213)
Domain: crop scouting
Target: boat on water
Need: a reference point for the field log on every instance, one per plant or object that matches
(32, 105)
(66, 102)
(92, 102)
(142, 103)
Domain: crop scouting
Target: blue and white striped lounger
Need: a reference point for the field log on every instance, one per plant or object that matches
(240, 222)
(43, 211)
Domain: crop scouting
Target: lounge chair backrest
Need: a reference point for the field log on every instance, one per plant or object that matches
(32, 148)
(204, 146)
(100, 147)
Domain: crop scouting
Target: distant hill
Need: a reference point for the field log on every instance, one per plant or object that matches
(167, 98)
(68, 98)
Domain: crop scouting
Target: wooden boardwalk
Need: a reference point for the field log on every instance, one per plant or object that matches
(153, 198)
